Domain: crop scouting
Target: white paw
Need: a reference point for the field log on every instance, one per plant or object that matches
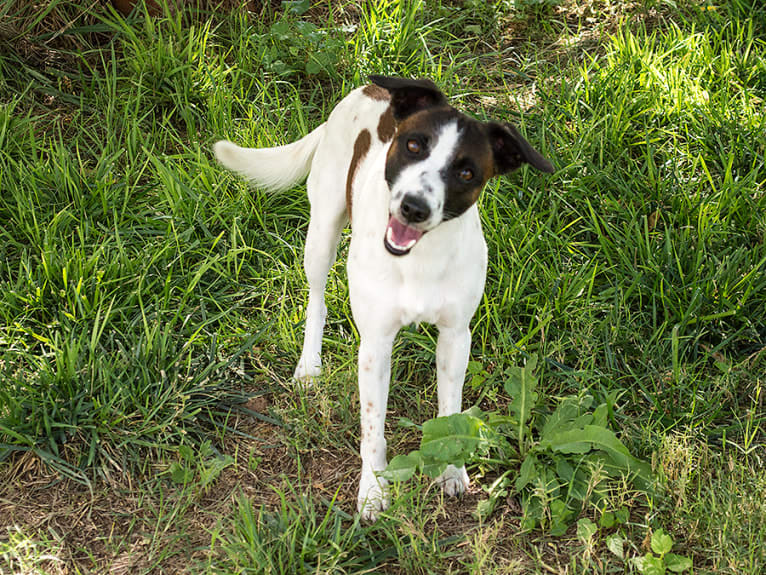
(453, 480)
(307, 371)
(373, 497)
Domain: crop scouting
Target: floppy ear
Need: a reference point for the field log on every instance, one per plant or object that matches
(511, 150)
(410, 96)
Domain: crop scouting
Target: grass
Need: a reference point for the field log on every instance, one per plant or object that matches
(151, 304)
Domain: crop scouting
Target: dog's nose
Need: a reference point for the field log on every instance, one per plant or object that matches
(414, 209)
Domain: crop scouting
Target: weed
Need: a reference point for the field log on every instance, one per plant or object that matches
(565, 455)
(661, 544)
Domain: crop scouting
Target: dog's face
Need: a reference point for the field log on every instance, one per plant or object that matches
(440, 159)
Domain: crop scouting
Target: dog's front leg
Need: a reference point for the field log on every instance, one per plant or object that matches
(452, 352)
(374, 379)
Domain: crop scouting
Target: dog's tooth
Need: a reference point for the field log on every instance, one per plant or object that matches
(390, 238)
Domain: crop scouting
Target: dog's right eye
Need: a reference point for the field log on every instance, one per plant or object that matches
(414, 147)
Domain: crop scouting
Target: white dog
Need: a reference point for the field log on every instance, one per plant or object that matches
(406, 168)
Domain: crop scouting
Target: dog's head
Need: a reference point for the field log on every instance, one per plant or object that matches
(440, 159)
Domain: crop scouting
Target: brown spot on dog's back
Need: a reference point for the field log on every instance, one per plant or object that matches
(361, 147)
(386, 125)
(376, 93)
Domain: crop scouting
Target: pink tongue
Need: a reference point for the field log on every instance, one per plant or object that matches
(402, 234)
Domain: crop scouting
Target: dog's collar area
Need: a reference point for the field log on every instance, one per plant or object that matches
(400, 238)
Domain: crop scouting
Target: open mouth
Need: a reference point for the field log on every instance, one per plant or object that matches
(400, 238)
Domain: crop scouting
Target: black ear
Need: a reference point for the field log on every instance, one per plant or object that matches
(511, 150)
(410, 96)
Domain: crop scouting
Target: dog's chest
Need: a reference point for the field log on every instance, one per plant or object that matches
(439, 282)
(418, 293)
(401, 295)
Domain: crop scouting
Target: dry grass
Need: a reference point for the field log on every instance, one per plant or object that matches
(124, 524)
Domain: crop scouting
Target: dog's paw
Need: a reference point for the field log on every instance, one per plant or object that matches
(307, 371)
(453, 480)
(373, 497)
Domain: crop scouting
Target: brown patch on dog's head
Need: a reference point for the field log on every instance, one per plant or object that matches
(410, 96)
(473, 156)
(386, 125)
(361, 147)
(376, 93)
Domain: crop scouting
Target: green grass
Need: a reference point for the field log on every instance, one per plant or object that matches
(144, 291)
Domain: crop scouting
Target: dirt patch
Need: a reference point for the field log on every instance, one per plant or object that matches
(134, 524)
(150, 524)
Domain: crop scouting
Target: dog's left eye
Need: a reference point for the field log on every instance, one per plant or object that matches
(466, 174)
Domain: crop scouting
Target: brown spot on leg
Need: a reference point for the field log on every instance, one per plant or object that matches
(386, 125)
(361, 147)
(376, 93)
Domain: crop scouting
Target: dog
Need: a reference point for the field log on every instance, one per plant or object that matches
(406, 169)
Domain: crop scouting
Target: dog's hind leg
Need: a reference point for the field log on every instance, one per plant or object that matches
(328, 216)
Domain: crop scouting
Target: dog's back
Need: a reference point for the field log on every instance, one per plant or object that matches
(330, 155)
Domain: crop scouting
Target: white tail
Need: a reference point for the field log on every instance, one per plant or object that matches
(272, 169)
